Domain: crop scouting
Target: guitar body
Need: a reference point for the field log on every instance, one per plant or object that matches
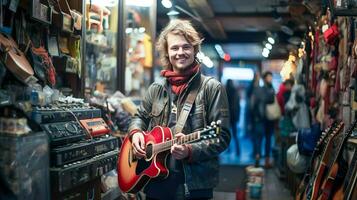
(328, 183)
(15, 60)
(134, 174)
(312, 192)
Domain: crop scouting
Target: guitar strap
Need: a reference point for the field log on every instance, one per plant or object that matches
(185, 111)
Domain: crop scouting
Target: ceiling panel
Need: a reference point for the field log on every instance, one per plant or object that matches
(243, 51)
(249, 24)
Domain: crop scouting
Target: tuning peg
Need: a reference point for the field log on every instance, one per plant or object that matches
(213, 123)
(219, 122)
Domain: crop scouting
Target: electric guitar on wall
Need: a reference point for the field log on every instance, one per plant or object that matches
(310, 186)
(348, 189)
(300, 194)
(312, 190)
(334, 148)
(134, 174)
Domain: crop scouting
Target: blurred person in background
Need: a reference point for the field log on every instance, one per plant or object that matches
(268, 94)
(234, 110)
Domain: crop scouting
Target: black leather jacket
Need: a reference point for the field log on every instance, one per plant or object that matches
(211, 104)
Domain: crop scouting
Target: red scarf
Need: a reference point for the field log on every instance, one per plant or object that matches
(179, 81)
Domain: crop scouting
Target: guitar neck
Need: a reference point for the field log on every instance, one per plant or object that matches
(164, 146)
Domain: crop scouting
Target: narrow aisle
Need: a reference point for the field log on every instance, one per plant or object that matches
(233, 175)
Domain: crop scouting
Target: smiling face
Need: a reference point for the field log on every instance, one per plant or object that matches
(180, 52)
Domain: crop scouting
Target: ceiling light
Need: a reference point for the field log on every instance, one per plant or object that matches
(140, 3)
(219, 50)
(142, 30)
(265, 50)
(268, 46)
(166, 3)
(287, 30)
(294, 40)
(173, 13)
(271, 40)
(265, 55)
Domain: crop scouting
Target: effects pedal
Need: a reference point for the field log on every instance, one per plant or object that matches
(95, 127)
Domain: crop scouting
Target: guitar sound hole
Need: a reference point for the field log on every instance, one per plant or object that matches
(149, 150)
(142, 165)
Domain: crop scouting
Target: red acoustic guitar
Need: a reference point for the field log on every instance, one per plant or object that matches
(134, 174)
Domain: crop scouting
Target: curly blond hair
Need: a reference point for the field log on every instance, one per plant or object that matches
(178, 27)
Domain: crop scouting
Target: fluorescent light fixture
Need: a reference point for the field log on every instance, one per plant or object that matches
(128, 30)
(271, 40)
(268, 46)
(238, 73)
(205, 59)
(142, 30)
(265, 54)
(172, 13)
(219, 50)
(139, 3)
(166, 3)
(265, 50)
(106, 3)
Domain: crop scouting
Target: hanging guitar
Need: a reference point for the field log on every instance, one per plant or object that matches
(321, 167)
(15, 60)
(134, 174)
(347, 190)
(334, 149)
(314, 159)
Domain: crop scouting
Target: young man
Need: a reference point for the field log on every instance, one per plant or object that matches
(193, 168)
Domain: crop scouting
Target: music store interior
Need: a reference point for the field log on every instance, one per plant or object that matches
(74, 75)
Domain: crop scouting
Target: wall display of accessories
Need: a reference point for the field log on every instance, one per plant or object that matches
(40, 43)
(101, 46)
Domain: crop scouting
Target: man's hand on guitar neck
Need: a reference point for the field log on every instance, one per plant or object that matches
(180, 152)
(138, 143)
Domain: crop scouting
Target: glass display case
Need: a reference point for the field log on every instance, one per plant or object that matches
(139, 33)
(101, 45)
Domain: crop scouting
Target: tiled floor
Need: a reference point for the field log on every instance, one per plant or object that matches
(273, 188)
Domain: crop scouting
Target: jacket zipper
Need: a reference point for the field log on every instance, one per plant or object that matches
(187, 191)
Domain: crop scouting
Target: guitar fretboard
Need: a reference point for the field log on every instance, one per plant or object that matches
(157, 148)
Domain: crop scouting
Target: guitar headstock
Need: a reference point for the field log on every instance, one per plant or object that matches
(210, 133)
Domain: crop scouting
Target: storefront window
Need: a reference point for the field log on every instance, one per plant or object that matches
(140, 27)
(101, 45)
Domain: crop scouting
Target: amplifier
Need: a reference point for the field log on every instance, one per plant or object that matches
(63, 132)
(74, 174)
(86, 191)
(82, 150)
(51, 114)
(95, 127)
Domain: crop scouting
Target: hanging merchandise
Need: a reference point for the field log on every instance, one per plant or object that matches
(307, 139)
(15, 60)
(43, 64)
(297, 106)
(289, 68)
(296, 162)
(331, 34)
